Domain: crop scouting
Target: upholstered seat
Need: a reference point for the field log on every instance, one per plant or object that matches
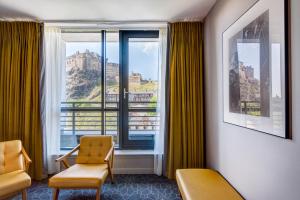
(93, 165)
(204, 184)
(80, 175)
(14, 163)
(14, 181)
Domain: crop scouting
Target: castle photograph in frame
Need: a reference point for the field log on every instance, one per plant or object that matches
(256, 69)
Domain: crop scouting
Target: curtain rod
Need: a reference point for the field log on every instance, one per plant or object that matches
(99, 22)
(83, 21)
(107, 24)
(103, 22)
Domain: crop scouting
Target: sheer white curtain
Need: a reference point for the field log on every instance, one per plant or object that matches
(159, 137)
(54, 57)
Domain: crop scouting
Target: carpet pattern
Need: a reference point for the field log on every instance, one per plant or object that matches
(126, 187)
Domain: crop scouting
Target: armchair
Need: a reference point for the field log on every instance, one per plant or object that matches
(93, 163)
(14, 163)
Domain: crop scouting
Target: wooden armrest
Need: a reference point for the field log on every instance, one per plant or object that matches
(63, 158)
(27, 159)
(109, 159)
(110, 152)
(68, 154)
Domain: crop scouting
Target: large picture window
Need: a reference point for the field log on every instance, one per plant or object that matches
(110, 87)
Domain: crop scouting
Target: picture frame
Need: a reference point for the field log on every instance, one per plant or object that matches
(256, 69)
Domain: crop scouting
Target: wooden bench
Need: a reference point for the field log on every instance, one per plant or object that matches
(204, 184)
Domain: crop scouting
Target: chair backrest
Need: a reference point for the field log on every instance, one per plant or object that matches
(11, 157)
(93, 149)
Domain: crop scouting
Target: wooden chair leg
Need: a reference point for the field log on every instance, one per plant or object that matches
(55, 193)
(111, 178)
(24, 195)
(98, 193)
(110, 175)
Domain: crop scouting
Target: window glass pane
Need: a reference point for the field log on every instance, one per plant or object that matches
(143, 85)
(112, 125)
(112, 70)
(142, 124)
(81, 100)
(112, 85)
(83, 70)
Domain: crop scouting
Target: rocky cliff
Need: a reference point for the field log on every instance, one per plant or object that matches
(83, 74)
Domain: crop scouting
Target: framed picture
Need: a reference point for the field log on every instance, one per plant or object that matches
(256, 74)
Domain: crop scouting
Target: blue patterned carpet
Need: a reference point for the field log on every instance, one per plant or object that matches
(126, 187)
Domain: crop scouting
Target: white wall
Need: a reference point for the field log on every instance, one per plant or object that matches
(259, 166)
(134, 162)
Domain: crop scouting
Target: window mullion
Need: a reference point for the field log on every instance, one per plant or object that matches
(103, 67)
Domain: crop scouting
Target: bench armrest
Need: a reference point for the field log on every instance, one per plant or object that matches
(26, 159)
(109, 159)
(63, 158)
(110, 153)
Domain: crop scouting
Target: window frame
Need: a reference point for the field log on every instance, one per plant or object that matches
(148, 142)
(122, 109)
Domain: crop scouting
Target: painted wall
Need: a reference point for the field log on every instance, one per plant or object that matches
(259, 166)
(129, 163)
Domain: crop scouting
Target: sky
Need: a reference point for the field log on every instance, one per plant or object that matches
(249, 53)
(143, 56)
(276, 70)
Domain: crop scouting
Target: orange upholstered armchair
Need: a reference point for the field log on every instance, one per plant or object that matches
(14, 163)
(93, 163)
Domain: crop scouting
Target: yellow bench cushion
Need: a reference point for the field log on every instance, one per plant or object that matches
(13, 181)
(80, 176)
(204, 184)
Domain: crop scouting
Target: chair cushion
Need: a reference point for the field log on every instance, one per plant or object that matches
(13, 182)
(11, 158)
(93, 149)
(80, 176)
(204, 184)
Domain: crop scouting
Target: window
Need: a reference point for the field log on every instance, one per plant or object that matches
(111, 87)
(140, 72)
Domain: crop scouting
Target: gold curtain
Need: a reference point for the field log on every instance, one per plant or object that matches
(19, 88)
(185, 129)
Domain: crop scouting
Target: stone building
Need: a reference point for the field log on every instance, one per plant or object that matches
(83, 61)
(112, 72)
(135, 78)
(249, 85)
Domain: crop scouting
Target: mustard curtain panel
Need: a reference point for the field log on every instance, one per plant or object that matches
(185, 128)
(19, 88)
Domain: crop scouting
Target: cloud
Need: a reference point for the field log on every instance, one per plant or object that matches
(149, 47)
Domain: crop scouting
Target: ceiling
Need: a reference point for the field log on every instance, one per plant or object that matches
(106, 10)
